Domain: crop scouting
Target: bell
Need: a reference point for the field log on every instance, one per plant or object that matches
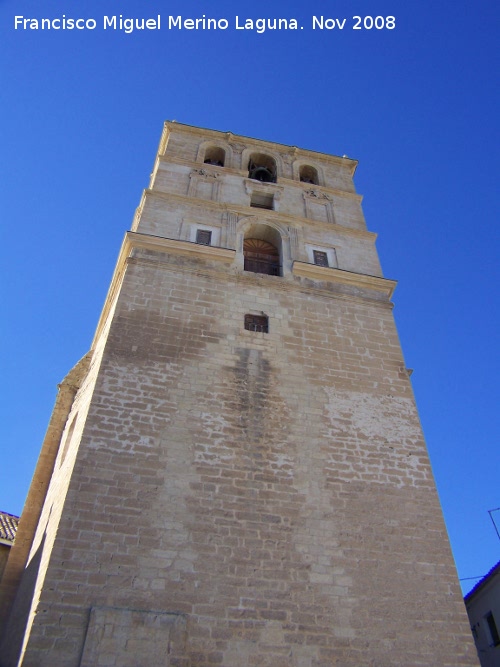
(262, 174)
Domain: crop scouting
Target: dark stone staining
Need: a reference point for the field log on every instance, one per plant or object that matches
(252, 378)
(149, 336)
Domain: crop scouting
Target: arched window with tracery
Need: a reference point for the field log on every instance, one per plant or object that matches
(261, 257)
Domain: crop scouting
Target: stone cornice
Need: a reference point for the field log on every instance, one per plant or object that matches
(246, 211)
(276, 283)
(344, 162)
(137, 241)
(329, 274)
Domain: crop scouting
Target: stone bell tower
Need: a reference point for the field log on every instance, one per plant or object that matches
(235, 474)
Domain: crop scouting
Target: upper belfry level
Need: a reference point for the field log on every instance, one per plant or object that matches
(232, 188)
(235, 474)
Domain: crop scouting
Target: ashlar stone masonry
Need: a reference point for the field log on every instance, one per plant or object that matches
(235, 474)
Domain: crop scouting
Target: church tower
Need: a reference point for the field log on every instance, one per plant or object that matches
(235, 474)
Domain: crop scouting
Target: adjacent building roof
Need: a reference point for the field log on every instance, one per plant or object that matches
(8, 526)
(494, 570)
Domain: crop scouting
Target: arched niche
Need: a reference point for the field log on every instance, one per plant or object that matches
(262, 249)
(308, 174)
(215, 153)
(262, 167)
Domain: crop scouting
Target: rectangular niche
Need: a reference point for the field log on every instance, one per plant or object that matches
(262, 200)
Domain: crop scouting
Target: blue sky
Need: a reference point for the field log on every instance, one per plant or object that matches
(418, 106)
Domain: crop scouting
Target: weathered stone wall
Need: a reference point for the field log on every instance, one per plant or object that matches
(231, 497)
(4, 554)
(273, 489)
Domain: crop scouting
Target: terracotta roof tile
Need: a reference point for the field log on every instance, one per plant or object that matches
(8, 526)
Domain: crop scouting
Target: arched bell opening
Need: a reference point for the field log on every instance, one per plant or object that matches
(262, 168)
(215, 155)
(308, 174)
(262, 250)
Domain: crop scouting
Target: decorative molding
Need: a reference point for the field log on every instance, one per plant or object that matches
(316, 198)
(260, 145)
(135, 241)
(237, 147)
(316, 194)
(243, 211)
(294, 241)
(273, 189)
(276, 223)
(204, 175)
(238, 171)
(203, 172)
(231, 220)
(330, 274)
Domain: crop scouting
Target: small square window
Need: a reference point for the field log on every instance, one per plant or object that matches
(257, 323)
(320, 258)
(203, 236)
